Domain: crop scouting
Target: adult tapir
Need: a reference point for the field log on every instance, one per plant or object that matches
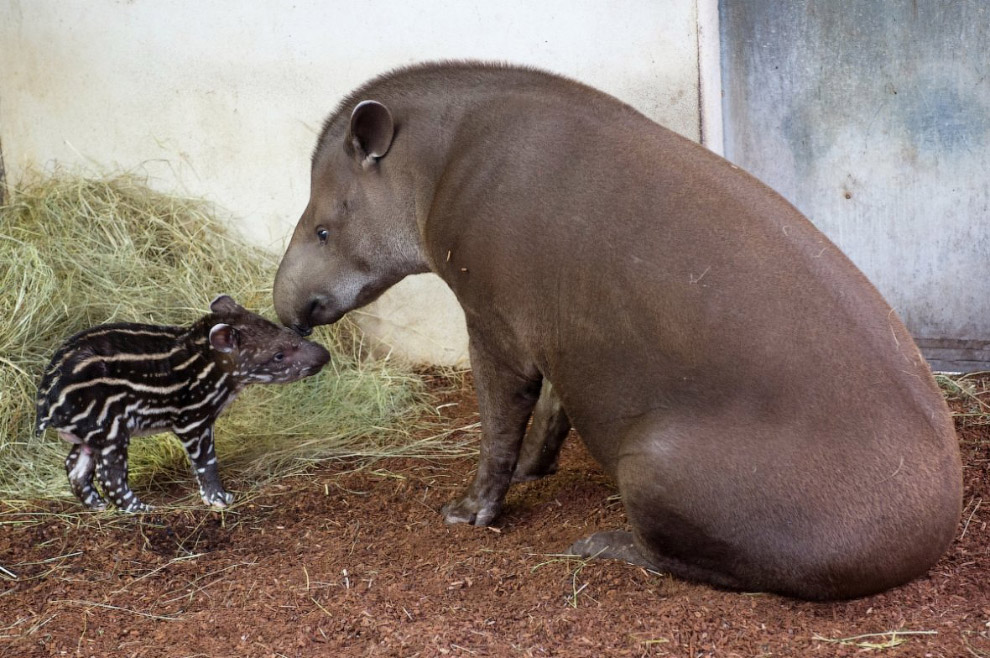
(769, 421)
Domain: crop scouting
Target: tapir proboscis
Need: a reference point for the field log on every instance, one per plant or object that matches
(769, 421)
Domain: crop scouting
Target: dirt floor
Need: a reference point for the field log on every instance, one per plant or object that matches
(344, 562)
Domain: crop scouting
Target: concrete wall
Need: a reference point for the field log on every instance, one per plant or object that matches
(873, 118)
(223, 99)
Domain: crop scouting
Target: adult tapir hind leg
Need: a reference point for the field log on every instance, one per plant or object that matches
(624, 545)
(545, 438)
(751, 529)
(664, 537)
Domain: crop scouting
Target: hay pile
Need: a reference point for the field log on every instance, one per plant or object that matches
(971, 394)
(77, 252)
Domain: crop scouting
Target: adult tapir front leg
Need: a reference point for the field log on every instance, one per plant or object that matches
(545, 438)
(505, 400)
(199, 446)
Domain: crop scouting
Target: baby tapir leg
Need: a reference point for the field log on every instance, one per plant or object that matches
(203, 456)
(79, 466)
(111, 471)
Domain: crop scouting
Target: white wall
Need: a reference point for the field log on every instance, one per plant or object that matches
(224, 99)
(874, 120)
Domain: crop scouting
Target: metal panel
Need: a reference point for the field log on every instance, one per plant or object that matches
(873, 118)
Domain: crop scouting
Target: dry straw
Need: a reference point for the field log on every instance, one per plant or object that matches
(78, 252)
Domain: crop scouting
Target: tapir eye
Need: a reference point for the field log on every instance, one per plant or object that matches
(278, 356)
(322, 234)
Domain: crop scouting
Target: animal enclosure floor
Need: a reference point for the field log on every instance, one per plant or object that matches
(353, 563)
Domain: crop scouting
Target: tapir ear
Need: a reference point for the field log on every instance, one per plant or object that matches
(225, 304)
(223, 338)
(371, 132)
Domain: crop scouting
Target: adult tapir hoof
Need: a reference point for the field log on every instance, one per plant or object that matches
(469, 510)
(530, 472)
(612, 544)
(621, 545)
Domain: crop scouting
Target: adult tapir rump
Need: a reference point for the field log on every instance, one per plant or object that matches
(769, 421)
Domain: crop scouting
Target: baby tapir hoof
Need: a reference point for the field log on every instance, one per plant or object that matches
(93, 501)
(218, 499)
(136, 507)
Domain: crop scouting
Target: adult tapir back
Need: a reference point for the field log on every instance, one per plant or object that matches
(769, 421)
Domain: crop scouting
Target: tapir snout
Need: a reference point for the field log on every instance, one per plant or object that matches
(358, 236)
(314, 286)
(302, 300)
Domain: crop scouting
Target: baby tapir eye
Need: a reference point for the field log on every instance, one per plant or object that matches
(278, 356)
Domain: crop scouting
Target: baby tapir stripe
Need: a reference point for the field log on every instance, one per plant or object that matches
(124, 357)
(113, 382)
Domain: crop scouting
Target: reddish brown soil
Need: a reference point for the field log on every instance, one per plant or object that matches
(358, 563)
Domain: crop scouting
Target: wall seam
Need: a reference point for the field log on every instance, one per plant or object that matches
(710, 118)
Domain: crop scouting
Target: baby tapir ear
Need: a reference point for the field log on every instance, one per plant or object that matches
(225, 304)
(370, 132)
(223, 337)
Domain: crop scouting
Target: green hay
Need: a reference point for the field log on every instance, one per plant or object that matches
(79, 252)
(971, 392)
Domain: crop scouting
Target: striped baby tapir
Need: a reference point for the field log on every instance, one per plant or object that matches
(113, 382)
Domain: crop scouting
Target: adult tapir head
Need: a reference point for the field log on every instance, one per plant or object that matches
(358, 235)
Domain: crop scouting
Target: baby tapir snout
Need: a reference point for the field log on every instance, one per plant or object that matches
(309, 358)
(260, 350)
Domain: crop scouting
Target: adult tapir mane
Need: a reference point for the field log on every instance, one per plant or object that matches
(442, 78)
(769, 421)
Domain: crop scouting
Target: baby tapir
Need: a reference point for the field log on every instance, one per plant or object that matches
(116, 381)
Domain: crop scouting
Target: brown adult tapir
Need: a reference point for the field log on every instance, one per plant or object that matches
(769, 421)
